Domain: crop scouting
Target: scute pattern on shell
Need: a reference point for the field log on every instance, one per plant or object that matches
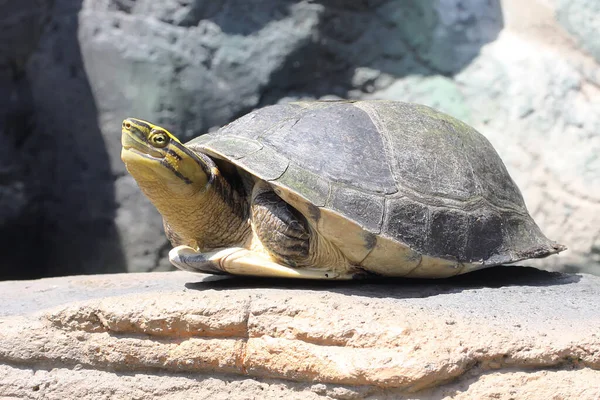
(404, 172)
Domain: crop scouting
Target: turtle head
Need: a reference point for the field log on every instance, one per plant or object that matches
(183, 185)
(158, 160)
(173, 177)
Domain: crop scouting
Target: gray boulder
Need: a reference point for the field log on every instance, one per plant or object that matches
(80, 67)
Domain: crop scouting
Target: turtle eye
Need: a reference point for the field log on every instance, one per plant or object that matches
(159, 139)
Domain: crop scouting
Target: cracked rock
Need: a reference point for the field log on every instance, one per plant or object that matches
(528, 334)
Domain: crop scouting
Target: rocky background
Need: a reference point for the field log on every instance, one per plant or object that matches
(526, 74)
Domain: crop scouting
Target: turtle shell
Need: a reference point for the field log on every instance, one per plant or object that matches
(401, 188)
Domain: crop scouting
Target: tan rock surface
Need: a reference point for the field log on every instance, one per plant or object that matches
(502, 333)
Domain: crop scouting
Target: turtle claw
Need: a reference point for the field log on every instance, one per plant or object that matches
(189, 259)
(240, 261)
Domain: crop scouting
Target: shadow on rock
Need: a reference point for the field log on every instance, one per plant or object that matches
(65, 164)
(362, 45)
(496, 277)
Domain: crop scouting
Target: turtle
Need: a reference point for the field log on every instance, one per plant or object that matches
(341, 189)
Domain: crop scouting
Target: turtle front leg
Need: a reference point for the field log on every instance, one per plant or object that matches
(240, 261)
(188, 259)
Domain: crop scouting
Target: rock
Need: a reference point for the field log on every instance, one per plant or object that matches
(538, 112)
(19, 214)
(580, 18)
(58, 181)
(74, 69)
(505, 332)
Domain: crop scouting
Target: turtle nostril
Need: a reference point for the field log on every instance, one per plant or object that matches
(127, 125)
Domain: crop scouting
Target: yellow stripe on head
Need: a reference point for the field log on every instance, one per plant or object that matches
(147, 128)
(153, 149)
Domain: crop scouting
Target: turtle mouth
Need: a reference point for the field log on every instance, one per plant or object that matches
(143, 153)
(132, 144)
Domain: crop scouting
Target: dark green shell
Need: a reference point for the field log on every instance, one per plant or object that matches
(402, 171)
